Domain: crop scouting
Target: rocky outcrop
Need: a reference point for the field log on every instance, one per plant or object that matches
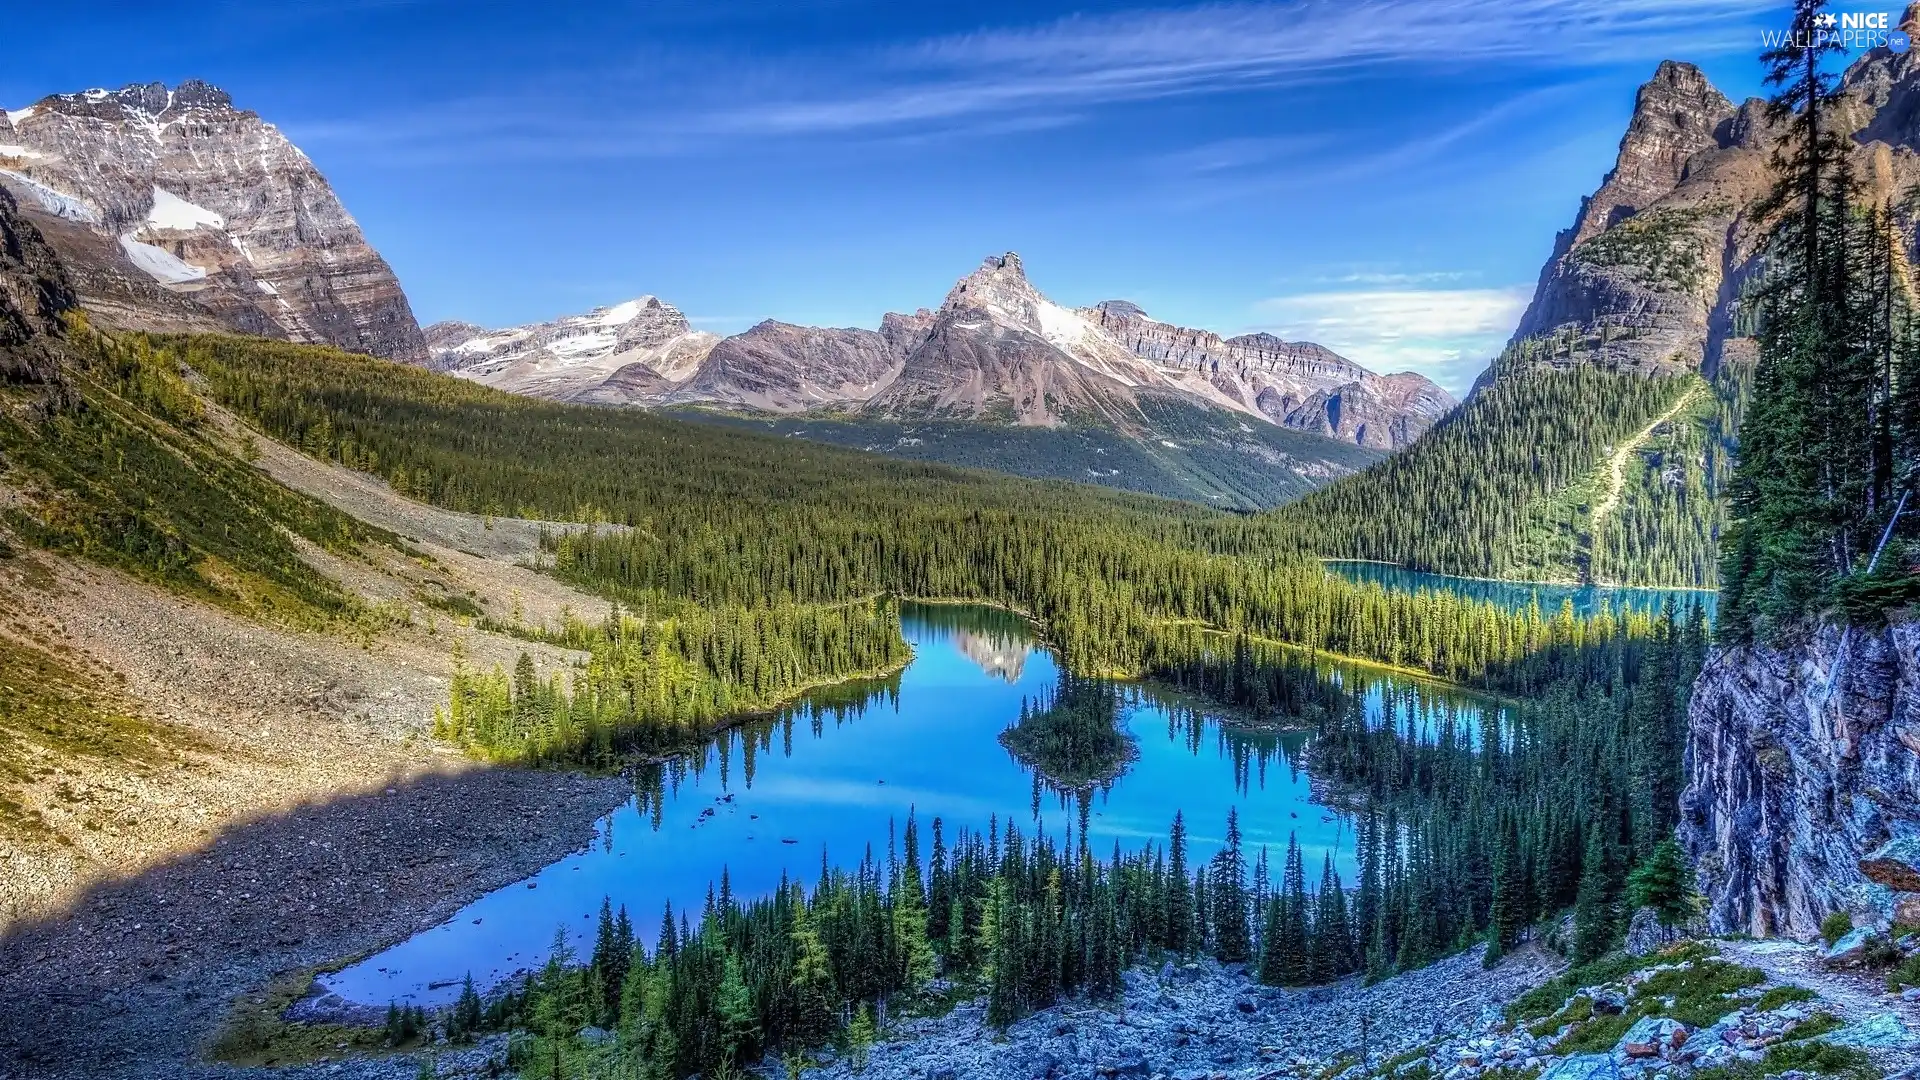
(1636, 281)
(643, 342)
(175, 210)
(1801, 802)
(1295, 384)
(34, 291)
(1650, 277)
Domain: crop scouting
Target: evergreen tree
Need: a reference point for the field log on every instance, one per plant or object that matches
(1593, 920)
(1664, 883)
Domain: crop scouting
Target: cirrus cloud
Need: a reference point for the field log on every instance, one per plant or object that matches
(1447, 335)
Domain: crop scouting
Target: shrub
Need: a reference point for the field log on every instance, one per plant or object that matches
(1836, 926)
(1782, 995)
(1906, 973)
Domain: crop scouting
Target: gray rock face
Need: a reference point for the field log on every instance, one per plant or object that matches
(780, 367)
(34, 291)
(1295, 384)
(1789, 791)
(1649, 276)
(1636, 281)
(175, 210)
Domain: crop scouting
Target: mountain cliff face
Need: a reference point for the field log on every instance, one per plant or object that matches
(174, 210)
(34, 290)
(1651, 275)
(1799, 802)
(1295, 384)
(1646, 277)
(995, 350)
(783, 368)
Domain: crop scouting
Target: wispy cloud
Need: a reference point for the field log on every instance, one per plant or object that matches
(1445, 334)
(1028, 78)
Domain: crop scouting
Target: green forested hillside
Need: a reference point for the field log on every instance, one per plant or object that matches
(713, 517)
(1212, 457)
(1511, 484)
(114, 462)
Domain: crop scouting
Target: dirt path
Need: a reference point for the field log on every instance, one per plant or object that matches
(1853, 995)
(1617, 464)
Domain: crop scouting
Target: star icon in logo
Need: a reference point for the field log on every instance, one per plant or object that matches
(1827, 19)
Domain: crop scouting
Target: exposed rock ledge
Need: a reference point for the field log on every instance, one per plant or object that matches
(1790, 791)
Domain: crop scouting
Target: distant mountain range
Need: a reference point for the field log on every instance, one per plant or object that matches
(996, 349)
(175, 211)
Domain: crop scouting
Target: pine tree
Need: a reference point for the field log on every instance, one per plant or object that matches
(1593, 922)
(1232, 937)
(1179, 917)
(1663, 882)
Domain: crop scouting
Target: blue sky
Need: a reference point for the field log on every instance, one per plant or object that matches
(1383, 176)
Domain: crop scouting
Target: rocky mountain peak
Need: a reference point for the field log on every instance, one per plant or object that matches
(1121, 308)
(1001, 289)
(143, 100)
(1676, 115)
(175, 211)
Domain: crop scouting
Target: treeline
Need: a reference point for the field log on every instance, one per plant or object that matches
(707, 521)
(1023, 921)
(1484, 827)
(1475, 496)
(651, 684)
(1832, 436)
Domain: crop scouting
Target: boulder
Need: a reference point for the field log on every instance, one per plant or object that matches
(1583, 1067)
(1883, 1031)
(1608, 1001)
(1895, 864)
(1650, 1037)
(1850, 948)
(1647, 935)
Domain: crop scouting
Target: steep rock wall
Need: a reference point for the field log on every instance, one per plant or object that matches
(1789, 790)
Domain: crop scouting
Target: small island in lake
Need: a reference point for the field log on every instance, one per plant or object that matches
(1072, 736)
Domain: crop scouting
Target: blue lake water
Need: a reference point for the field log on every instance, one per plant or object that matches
(839, 772)
(1517, 595)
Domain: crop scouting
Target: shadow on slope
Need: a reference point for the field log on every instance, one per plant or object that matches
(137, 976)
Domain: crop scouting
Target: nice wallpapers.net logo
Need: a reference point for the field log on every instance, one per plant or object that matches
(1851, 30)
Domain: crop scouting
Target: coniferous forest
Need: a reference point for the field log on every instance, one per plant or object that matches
(1831, 439)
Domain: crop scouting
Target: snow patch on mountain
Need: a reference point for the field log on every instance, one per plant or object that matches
(159, 263)
(170, 211)
(54, 201)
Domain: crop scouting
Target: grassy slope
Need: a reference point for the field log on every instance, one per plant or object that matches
(129, 474)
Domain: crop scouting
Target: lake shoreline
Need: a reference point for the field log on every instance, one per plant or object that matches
(1516, 582)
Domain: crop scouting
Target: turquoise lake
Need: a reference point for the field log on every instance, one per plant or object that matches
(838, 773)
(1517, 595)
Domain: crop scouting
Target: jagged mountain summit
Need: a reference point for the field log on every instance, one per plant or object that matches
(1653, 274)
(996, 350)
(173, 210)
(648, 343)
